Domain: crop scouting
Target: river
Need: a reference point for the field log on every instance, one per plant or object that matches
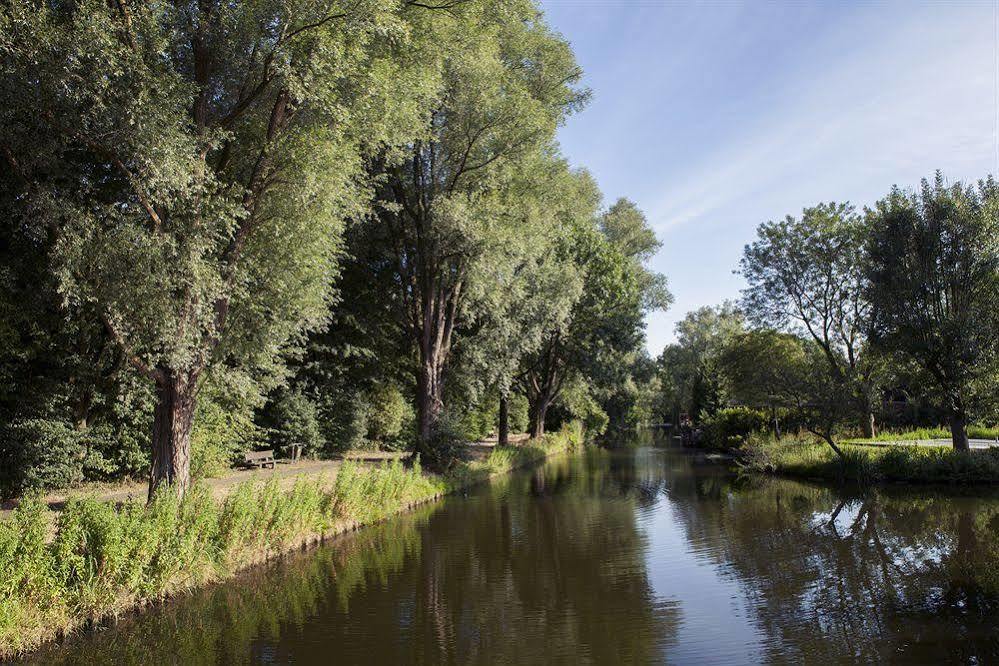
(642, 554)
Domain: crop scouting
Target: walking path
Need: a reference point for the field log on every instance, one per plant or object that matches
(286, 473)
(973, 443)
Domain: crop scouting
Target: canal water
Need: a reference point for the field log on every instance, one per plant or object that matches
(642, 554)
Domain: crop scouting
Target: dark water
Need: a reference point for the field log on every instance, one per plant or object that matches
(640, 555)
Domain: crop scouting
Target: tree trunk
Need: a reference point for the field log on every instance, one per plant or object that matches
(171, 440)
(504, 422)
(539, 410)
(429, 401)
(868, 425)
(959, 430)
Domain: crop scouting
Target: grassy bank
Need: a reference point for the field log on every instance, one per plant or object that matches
(104, 560)
(806, 457)
(925, 435)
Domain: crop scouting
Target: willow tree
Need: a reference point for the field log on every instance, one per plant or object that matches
(934, 282)
(524, 288)
(606, 321)
(508, 83)
(806, 275)
(207, 154)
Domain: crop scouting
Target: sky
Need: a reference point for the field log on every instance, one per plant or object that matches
(715, 117)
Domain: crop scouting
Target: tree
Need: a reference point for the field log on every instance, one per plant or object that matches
(806, 276)
(787, 374)
(934, 284)
(603, 326)
(206, 156)
(508, 81)
(689, 369)
(526, 289)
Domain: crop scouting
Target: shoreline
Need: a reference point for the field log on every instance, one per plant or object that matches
(59, 626)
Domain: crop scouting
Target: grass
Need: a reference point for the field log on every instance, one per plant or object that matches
(926, 434)
(105, 559)
(807, 457)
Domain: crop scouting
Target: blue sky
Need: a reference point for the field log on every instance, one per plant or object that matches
(717, 116)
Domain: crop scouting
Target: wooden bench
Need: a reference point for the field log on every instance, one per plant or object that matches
(259, 459)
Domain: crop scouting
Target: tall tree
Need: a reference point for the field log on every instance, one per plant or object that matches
(524, 288)
(934, 284)
(209, 153)
(508, 82)
(806, 276)
(605, 323)
(690, 372)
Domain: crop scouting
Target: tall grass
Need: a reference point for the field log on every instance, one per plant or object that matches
(103, 559)
(927, 434)
(806, 457)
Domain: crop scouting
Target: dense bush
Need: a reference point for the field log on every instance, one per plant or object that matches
(730, 427)
(344, 421)
(390, 416)
(297, 422)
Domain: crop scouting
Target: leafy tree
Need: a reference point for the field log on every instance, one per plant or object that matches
(934, 284)
(689, 369)
(198, 160)
(529, 288)
(806, 276)
(508, 81)
(786, 374)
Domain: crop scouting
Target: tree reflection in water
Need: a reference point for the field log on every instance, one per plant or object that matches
(555, 566)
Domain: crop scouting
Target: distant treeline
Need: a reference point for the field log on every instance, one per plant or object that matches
(853, 320)
(338, 224)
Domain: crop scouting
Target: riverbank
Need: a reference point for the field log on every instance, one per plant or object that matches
(105, 560)
(866, 464)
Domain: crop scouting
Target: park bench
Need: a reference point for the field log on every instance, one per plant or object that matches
(259, 459)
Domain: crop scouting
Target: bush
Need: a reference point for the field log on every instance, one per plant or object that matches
(389, 413)
(447, 444)
(344, 421)
(518, 412)
(729, 428)
(297, 422)
(41, 454)
(218, 436)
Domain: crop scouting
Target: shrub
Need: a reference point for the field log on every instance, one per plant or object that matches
(388, 414)
(344, 421)
(41, 453)
(297, 422)
(447, 444)
(729, 428)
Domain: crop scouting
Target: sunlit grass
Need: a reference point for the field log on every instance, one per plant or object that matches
(807, 457)
(105, 559)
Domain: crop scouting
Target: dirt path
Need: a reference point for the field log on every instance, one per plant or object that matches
(286, 473)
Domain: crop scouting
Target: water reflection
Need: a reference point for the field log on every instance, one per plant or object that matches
(639, 555)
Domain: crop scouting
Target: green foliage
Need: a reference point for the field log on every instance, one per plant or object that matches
(933, 277)
(388, 416)
(43, 454)
(577, 399)
(806, 277)
(690, 372)
(297, 422)
(223, 428)
(805, 457)
(730, 428)
(345, 420)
